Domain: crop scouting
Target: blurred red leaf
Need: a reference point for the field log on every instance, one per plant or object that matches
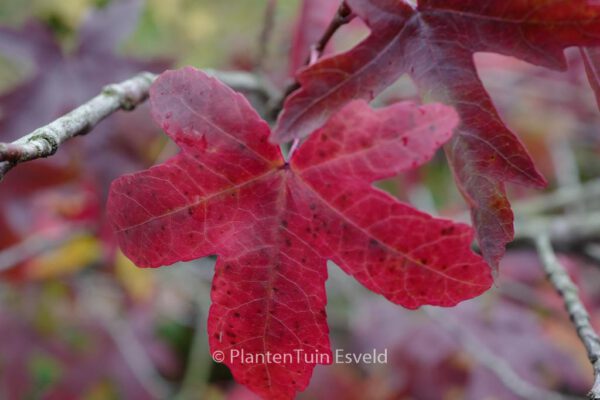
(274, 224)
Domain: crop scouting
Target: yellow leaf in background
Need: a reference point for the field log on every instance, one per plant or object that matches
(74, 255)
(70, 12)
(138, 282)
(189, 19)
(199, 24)
(54, 308)
(166, 11)
(101, 391)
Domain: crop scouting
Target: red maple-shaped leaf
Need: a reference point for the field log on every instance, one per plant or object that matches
(434, 43)
(273, 224)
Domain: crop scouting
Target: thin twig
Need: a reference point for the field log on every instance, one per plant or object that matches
(592, 251)
(266, 34)
(241, 80)
(342, 17)
(562, 197)
(36, 244)
(45, 141)
(497, 365)
(134, 354)
(558, 276)
(564, 229)
(199, 360)
(567, 171)
(100, 300)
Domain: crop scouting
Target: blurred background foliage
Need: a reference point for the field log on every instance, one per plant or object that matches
(204, 33)
(79, 321)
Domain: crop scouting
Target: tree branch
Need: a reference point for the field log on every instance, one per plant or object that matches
(45, 141)
(558, 276)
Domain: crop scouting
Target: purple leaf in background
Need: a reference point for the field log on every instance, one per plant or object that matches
(61, 81)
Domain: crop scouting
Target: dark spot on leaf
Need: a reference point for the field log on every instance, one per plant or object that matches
(447, 231)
